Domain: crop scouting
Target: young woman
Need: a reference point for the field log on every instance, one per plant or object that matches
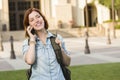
(37, 48)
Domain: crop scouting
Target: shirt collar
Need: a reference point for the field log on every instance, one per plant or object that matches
(48, 36)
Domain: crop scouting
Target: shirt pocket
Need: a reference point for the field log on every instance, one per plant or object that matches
(39, 50)
(51, 52)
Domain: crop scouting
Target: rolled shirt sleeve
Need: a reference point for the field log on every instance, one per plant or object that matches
(25, 46)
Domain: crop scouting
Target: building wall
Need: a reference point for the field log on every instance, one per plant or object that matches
(0, 15)
(118, 14)
(5, 14)
(78, 11)
(0, 19)
(46, 7)
(103, 13)
(71, 10)
(62, 1)
(64, 14)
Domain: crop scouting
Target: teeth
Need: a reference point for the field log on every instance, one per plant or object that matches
(39, 23)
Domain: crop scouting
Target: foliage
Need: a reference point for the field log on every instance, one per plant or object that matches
(59, 22)
(105, 2)
(118, 20)
(117, 27)
(117, 4)
(107, 21)
(108, 3)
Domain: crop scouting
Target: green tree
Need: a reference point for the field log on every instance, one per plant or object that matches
(108, 3)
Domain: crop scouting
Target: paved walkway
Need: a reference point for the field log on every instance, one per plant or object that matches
(100, 53)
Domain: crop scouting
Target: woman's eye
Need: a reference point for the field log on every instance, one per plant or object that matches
(38, 16)
(31, 20)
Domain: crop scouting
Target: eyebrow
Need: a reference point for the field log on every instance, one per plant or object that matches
(37, 15)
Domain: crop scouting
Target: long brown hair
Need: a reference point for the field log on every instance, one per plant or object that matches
(26, 19)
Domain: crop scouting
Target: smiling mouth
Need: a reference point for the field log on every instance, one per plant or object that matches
(39, 24)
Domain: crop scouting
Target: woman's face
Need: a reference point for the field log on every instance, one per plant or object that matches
(36, 20)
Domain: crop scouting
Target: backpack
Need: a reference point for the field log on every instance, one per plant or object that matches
(58, 53)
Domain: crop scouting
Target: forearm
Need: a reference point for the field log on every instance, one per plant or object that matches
(66, 58)
(30, 54)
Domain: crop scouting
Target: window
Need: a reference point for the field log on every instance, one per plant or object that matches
(16, 12)
(36, 4)
(21, 16)
(23, 5)
(12, 6)
(12, 21)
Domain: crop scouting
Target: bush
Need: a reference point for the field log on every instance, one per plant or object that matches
(117, 27)
(118, 20)
(107, 21)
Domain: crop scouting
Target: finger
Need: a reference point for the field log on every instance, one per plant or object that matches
(58, 41)
(29, 28)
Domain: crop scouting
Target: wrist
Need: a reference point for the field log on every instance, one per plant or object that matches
(32, 39)
(32, 42)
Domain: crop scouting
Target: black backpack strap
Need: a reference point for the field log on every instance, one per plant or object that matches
(58, 53)
(57, 50)
(29, 72)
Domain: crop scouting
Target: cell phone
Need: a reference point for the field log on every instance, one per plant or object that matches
(33, 31)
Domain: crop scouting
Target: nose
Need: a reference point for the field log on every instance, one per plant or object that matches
(36, 20)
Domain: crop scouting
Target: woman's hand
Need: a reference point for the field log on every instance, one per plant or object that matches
(66, 58)
(32, 36)
(58, 42)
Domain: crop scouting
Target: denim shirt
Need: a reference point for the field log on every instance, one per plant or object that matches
(46, 66)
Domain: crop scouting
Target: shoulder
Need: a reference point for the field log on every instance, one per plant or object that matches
(55, 35)
(60, 37)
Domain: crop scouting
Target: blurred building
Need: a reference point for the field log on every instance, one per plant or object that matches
(65, 11)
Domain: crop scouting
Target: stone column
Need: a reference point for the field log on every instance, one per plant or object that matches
(5, 13)
(46, 8)
(62, 1)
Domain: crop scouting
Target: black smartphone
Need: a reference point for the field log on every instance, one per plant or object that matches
(33, 31)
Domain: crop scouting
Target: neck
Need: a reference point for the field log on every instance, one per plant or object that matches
(42, 34)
